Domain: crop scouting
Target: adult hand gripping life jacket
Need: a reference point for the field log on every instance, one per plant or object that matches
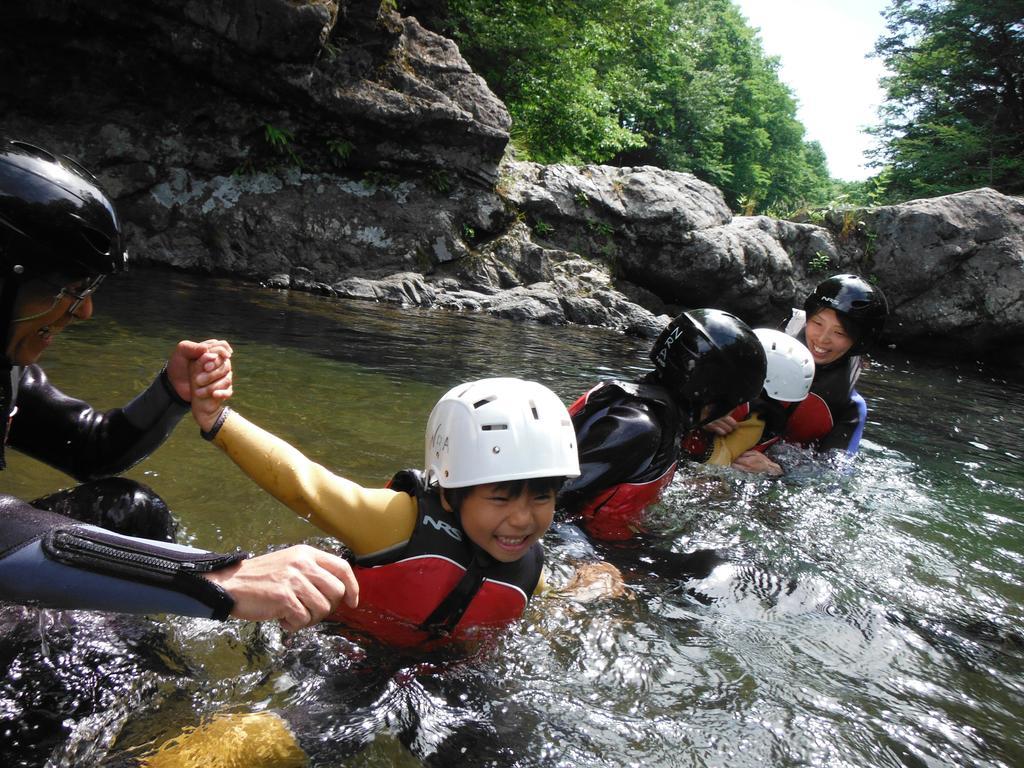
(439, 584)
(614, 511)
(760, 424)
(809, 422)
(698, 445)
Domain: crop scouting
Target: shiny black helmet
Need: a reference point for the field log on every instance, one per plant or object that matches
(709, 357)
(860, 307)
(55, 220)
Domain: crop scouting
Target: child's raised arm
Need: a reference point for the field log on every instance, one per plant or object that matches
(367, 520)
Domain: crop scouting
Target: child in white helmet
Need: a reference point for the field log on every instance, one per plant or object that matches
(441, 552)
(761, 423)
(438, 553)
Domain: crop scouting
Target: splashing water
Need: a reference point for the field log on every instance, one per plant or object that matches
(842, 616)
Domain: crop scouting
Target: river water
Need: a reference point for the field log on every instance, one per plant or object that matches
(864, 616)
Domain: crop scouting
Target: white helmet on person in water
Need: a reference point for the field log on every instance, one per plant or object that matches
(499, 430)
(790, 369)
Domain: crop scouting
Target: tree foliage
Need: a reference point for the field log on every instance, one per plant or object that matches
(682, 84)
(953, 118)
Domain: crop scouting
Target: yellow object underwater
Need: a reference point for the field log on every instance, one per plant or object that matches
(232, 740)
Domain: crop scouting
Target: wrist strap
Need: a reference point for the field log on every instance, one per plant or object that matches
(165, 380)
(212, 431)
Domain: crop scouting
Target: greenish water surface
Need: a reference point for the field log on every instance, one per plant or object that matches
(864, 618)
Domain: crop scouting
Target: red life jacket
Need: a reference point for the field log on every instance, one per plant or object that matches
(810, 421)
(400, 592)
(616, 514)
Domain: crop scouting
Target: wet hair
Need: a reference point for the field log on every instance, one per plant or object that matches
(514, 488)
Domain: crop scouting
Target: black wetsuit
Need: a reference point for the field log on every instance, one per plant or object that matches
(628, 438)
(103, 545)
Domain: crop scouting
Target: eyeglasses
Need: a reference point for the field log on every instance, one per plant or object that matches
(78, 292)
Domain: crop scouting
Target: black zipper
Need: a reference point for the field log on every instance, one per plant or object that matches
(80, 543)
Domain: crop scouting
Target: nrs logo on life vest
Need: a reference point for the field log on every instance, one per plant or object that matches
(441, 525)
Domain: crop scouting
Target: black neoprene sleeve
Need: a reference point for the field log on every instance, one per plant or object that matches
(50, 560)
(74, 437)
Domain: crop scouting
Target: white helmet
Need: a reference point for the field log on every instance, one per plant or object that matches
(496, 430)
(790, 366)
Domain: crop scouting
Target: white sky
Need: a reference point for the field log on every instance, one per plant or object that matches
(822, 45)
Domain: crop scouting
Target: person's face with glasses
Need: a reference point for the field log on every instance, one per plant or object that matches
(42, 310)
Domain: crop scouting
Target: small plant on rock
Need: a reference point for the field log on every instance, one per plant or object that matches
(280, 140)
(820, 262)
(542, 228)
(439, 181)
(340, 150)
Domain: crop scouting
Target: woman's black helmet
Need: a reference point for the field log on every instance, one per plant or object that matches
(55, 220)
(709, 357)
(860, 307)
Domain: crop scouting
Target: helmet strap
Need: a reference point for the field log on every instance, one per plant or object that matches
(8, 296)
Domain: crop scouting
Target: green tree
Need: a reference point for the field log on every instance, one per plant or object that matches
(681, 84)
(556, 66)
(953, 118)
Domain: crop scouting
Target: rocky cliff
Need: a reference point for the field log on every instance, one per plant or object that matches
(339, 146)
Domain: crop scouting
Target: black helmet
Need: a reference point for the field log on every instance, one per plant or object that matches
(709, 357)
(860, 307)
(55, 221)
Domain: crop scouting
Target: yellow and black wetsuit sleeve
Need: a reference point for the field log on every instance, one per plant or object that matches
(730, 447)
(367, 520)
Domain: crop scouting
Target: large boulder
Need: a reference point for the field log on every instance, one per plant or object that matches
(337, 81)
(262, 137)
(671, 234)
(953, 270)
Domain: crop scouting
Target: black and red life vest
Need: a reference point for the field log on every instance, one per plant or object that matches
(438, 584)
(615, 512)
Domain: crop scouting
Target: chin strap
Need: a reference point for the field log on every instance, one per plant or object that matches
(8, 294)
(6, 406)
